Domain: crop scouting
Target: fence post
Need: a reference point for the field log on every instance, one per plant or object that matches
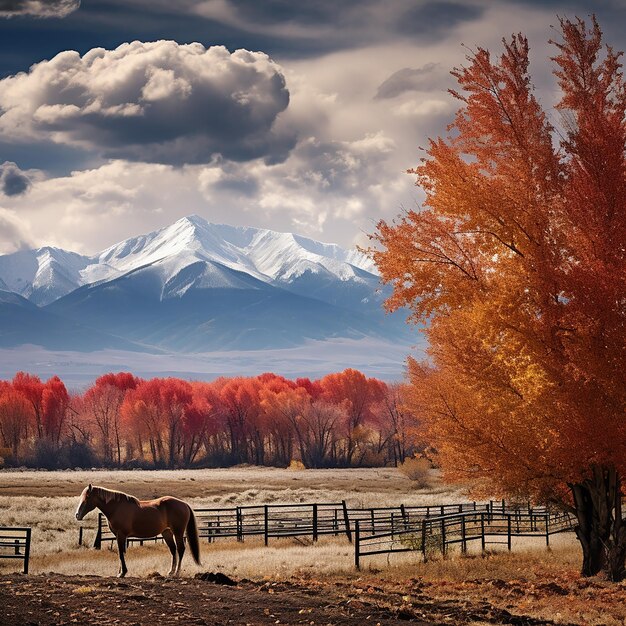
(266, 524)
(346, 519)
(357, 545)
(315, 522)
(463, 536)
(424, 539)
(405, 520)
(239, 524)
(548, 530)
(27, 551)
(508, 515)
(482, 531)
(443, 536)
(97, 544)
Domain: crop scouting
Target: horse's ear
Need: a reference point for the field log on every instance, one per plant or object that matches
(89, 488)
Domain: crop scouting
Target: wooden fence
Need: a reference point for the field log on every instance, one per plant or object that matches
(15, 544)
(437, 534)
(266, 520)
(314, 520)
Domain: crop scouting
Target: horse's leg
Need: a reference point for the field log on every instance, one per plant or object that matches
(168, 535)
(180, 544)
(121, 548)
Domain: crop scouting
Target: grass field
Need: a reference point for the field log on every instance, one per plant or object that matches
(532, 580)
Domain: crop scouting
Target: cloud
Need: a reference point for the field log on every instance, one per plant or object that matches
(158, 102)
(429, 19)
(320, 25)
(423, 108)
(14, 233)
(423, 78)
(325, 189)
(37, 8)
(13, 181)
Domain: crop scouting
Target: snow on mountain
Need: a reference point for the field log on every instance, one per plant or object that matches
(195, 286)
(265, 254)
(203, 253)
(42, 275)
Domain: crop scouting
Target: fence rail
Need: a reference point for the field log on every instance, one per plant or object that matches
(437, 534)
(15, 544)
(313, 520)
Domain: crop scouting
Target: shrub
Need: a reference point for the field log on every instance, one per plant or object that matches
(80, 455)
(417, 470)
(296, 466)
(434, 543)
(46, 455)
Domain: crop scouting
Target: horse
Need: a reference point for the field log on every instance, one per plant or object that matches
(143, 519)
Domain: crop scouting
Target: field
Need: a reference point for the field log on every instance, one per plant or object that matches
(291, 581)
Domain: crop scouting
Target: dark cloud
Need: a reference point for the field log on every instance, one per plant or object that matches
(431, 19)
(311, 13)
(282, 28)
(37, 8)
(158, 102)
(407, 79)
(13, 182)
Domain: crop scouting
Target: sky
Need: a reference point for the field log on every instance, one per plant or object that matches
(118, 117)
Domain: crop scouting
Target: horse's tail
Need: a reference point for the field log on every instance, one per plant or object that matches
(192, 537)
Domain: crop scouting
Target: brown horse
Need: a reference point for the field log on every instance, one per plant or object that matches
(143, 519)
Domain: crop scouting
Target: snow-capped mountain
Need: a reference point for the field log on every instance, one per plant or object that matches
(42, 275)
(196, 286)
(46, 274)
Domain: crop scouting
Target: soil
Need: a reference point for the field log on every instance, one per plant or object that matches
(215, 600)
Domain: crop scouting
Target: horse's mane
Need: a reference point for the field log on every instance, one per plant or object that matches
(112, 495)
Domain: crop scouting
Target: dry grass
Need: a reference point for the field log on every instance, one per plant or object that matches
(240, 485)
(46, 501)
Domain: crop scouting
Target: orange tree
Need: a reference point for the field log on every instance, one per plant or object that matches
(516, 267)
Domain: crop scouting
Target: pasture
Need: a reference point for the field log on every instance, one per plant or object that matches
(540, 584)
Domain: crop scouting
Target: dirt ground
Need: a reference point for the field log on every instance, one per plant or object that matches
(59, 600)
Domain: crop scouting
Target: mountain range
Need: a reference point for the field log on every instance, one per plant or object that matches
(193, 287)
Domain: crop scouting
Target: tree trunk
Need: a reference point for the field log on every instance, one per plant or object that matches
(601, 530)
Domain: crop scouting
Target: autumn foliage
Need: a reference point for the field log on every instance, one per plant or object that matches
(516, 264)
(342, 419)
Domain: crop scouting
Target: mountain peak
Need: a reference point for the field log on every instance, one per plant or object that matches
(276, 258)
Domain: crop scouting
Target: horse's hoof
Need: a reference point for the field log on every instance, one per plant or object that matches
(121, 575)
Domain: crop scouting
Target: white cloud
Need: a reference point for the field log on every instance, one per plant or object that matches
(14, 232)
(158, 102)
(419, 108)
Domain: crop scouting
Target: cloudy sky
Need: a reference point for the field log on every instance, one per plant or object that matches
(121, 116)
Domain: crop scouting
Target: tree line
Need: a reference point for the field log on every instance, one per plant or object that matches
(344, 419)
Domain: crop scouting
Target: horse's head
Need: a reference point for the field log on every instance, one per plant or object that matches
(86, 503)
